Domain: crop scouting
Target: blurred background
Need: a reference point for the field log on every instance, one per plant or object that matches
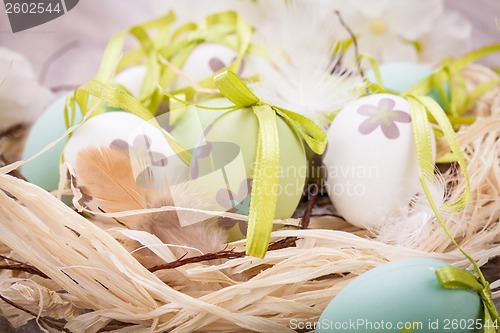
(66, 52)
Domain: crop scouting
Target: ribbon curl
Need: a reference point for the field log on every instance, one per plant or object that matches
(455, 278)
(266, 167)
(227, 28)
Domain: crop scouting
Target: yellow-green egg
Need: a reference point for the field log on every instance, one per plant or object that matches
(191, 121)
(400, 295)
(50, 126)
(224, 161)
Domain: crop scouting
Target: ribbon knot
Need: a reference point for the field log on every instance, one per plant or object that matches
(267, 162)
(455, 278)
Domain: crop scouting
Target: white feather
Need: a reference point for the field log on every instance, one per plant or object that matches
(301, 42)
(411, 226)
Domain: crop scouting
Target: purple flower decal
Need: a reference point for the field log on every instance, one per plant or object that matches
(141, 149)
(199, 153)
(216, 65)
(384, 116)
(238, 203)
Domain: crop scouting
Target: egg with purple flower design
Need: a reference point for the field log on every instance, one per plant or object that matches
(141, 141)
(371, 160)
(207, 59)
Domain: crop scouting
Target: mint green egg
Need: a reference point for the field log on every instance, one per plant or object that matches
(44, 170)
(403, 291)
(401, 76)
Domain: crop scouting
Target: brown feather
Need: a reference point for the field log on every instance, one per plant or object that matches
(106, 175)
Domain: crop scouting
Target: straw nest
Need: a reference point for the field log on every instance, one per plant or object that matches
(75, 276)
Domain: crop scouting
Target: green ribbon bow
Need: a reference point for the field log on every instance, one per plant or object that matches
(267, 162)
(455, 278)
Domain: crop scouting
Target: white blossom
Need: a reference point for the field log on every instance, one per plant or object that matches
(403, 30)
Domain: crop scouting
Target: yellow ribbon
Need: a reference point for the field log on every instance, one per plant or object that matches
(459, 100)
(449, 277)
(226, 28)
(455, 278)
(266, 168)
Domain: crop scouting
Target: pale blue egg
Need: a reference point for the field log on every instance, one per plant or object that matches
(401, 76)
(44, 170)
(398, 293)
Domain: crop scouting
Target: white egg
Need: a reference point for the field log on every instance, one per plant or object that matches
(204, 61)
(132, 78)
(371, 159)
(130, 133)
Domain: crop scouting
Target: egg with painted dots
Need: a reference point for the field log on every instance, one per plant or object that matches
(371, 162)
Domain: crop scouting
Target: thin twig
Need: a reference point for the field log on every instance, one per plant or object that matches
(354, 40)
(306, 219)
(47, 321)
(23, 267)
(225, 254)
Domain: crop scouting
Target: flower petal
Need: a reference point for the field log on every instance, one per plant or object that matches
(400, 116)
(371, 8)
(451, 36)
(391, 131)
(227, 223)
(386, 105)
(244, 190)
(368, 110)
(243, 227)
(142, 141)
(368, 126)
(411, 20)
(120, 145)
(223, 198)
(216, 64)
(396, 49)
(158, 159)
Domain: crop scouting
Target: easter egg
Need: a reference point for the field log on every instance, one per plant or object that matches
(50, 126)
(401, 76)
(205, 60)
(371, 160)
(131, 78)
(192, 120)
(225, 163)
(133, 135)
(404, 292)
